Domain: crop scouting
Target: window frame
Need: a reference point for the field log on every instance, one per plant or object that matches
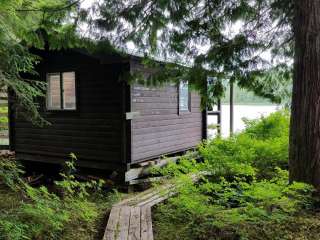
(48, 108)
(184, 111)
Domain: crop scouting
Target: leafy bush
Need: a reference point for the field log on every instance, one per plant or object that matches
(37, 213)
(274, 126)
(245, 187)
(260, 148)
(10, 174)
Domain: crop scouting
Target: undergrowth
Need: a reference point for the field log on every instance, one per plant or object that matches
(73, 210)
(245, 192)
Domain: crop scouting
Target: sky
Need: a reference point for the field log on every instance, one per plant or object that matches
(87, 3)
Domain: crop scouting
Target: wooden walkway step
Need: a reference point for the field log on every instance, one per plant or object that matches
(129, 223)
(131, 219)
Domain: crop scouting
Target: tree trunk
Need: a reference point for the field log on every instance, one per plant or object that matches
(304, 156)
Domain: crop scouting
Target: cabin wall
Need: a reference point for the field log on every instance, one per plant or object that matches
(93, 132)
(158, 128)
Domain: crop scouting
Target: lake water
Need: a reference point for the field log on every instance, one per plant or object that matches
(240, 112)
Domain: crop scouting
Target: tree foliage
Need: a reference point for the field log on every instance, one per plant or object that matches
(223, 39)
(32, 23)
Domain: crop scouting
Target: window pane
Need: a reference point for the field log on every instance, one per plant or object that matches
(183, 96)
(69, 90)
(54, 90)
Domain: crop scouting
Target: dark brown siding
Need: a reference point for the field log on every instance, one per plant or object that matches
(93, 132)
(160, 129)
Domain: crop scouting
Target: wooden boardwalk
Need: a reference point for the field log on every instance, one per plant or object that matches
(131, 219)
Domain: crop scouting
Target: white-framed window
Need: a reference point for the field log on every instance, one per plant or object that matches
(184, 97)
(61, 91)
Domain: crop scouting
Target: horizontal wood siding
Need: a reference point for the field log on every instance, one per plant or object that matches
(160, 129)
(93, 132)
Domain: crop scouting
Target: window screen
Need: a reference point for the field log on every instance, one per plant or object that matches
(54, 89)
(69, 90)
(61, 94)
(183, 96)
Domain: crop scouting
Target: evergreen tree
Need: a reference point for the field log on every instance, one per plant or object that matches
(305, 118)
(32, 23)
(227, 39)
(223, 39)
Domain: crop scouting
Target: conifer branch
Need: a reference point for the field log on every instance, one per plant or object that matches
(50, 10)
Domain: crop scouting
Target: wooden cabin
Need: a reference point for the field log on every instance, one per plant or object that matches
(105, 122)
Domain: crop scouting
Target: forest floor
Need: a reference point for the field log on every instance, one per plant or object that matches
(65, 208)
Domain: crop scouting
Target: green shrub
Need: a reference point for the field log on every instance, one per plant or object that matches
(37, 213)
(247, 187)
(258, 150)
(206, 207)
(274, 126)
(10, 173)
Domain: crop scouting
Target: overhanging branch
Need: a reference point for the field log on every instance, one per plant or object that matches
(50, 10)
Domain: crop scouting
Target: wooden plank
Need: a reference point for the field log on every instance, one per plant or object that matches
(98, 152)
(106, 157)
(151, 118)
(124, 221)
(68, 139)
(155, 105)
(151, 99)
(162, 112)
(85, 120)
(164, 150)
(114, 218)
(89, 162)
(140, 197)
(112, 225)
(146, 223)
(109, 235)
(152, 135)
(168, 97)
(135, 173)
(162, 141)
(72, 143)
(86, 133)
(158, 198)
(135, 219)
(160, 195)
(107, 126)
(147, 124)
(144, 197)
(169, 151)
(146, 180)
(155, 146)
(142, 131)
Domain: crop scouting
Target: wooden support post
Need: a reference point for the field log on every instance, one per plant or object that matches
(219, 118)
(231, 108)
